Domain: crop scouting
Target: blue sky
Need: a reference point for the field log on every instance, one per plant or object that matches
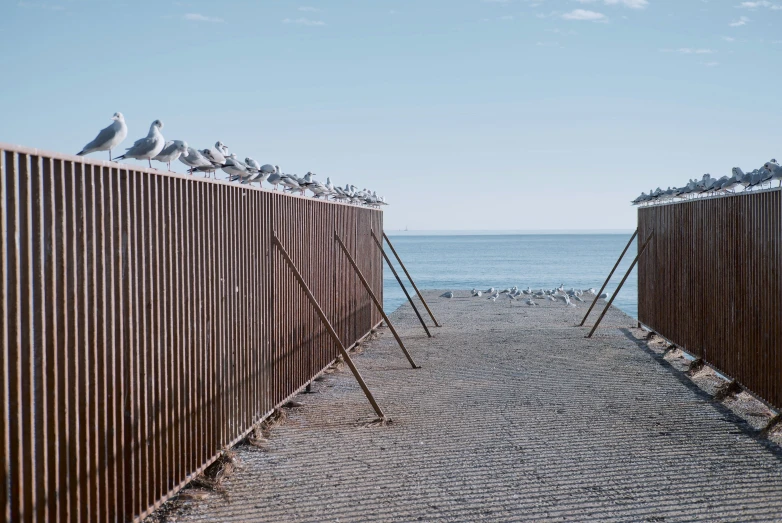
(464, 114)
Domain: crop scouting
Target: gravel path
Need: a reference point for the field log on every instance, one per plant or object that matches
(514, 416)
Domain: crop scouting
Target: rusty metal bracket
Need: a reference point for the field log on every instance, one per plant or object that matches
(771, 425)
(375, 300)
(329, 328)
(391, 245)
(627, 274)
(609, 277)
(399, 281)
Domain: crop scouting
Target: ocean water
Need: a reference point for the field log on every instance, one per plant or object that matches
(459, 262)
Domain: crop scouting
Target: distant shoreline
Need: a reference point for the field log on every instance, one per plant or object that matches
(398, 232)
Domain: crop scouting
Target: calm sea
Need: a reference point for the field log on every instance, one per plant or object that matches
(461, 262)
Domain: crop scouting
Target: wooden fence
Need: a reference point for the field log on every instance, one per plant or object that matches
(710, 283)
(147, 323)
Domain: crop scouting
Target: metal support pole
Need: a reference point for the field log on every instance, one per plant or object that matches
(608, 305)
(329, 328)
(411, 279)
(609, 277)
(375, 300)
(402, 285)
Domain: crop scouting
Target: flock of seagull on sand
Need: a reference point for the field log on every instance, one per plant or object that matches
(155, 147)
(708, 186)
(566, 297)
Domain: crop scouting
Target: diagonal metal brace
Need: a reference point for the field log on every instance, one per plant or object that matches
(329, 328)
(402, 285)
(375, 300)
(609, 277)
(608, 305)
(385, 236)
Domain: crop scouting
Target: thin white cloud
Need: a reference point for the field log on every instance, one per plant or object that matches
(728, 38)
(308, 9)
(196, 17)
(710, 64)
(738, 23)
(687, 50)
(583, 14)
(303, 21)
(760, 3)
(632, 4)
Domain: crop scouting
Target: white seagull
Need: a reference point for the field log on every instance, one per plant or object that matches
(148, 147)
(108, 138)
(274, 178)
(172, 150)
(195, 160)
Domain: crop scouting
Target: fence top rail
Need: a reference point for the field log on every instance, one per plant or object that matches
(709, 198)
(31, 151)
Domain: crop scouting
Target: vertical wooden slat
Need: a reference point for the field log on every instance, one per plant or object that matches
(50, 339)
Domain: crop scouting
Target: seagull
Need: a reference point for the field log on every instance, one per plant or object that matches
(477, 293)
(264, 172)
(564, 298)
(493, 298)
(775, 170)
(107, 138)
(172, 150)
(149, 147)
(194, 159)
(274, 178)
(234, 167)
(448, 295)
(531, 302)
(511, 299)
(490, 290)
(290, 181)
(215, 155)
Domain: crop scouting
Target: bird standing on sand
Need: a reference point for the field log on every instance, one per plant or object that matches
(108, 138)
(148, 147)
(448, 295)
(171, 151)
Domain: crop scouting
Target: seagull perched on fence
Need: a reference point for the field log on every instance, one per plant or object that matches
(108, 138)
(709, 186)
(171, 151)
(264, 172)
(775, 170)
(194, 159)
(209, 160)
(148, 147)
